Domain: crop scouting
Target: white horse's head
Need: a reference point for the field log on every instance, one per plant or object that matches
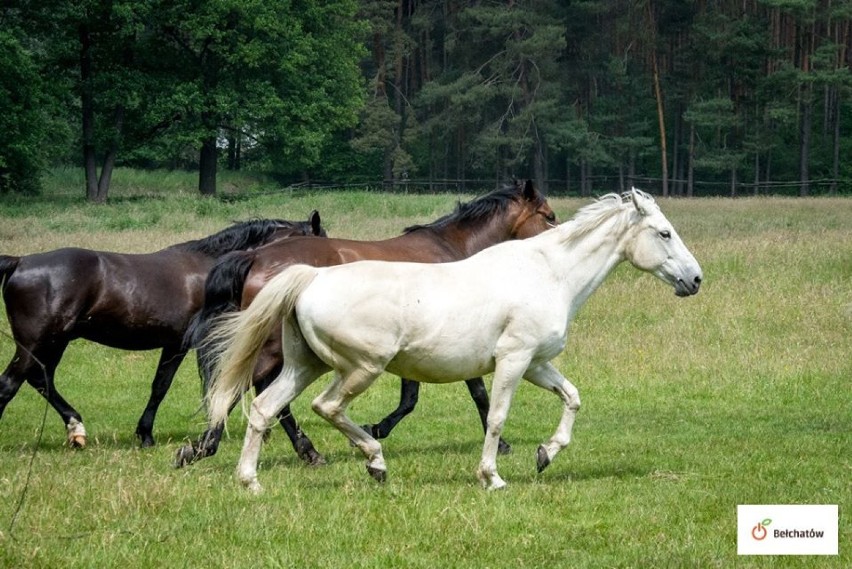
(654, 246)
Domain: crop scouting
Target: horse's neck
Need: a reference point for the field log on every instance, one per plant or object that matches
(583, 264)
(424, 245)
(472, 239)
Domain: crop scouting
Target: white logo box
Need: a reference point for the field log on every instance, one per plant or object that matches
(787, 529)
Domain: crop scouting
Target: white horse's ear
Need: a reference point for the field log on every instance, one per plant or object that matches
(639, 201)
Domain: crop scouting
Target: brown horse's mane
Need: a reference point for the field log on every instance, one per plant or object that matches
(480, 208)
(240, 235)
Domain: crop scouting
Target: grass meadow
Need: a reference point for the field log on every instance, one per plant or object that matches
(739, 395)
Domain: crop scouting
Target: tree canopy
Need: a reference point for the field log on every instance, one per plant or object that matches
(687, 97)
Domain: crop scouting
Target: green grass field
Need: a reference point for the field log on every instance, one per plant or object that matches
(690, 407)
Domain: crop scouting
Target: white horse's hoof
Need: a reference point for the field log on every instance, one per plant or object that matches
(380, 475)
(254, 487)
(542, 459)
(490, 481)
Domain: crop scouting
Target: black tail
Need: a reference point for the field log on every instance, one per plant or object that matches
(8, 264)
(223, 291)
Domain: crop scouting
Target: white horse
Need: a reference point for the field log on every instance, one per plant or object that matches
(504, 310)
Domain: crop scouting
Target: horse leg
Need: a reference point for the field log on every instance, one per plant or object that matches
(269, 365)
(408, 395)
(298, 373)
(331, 405)
(507, 375)
(40, 376)
(479, 394)
(301, 443)
(170, 360)
(206, 445)
(548, 377)
(10, 382)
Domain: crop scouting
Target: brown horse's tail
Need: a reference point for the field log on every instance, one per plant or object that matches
(237, 338)
(8, 264)
(223, 292)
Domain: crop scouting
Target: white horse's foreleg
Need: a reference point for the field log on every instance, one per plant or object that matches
(292, 380)
(331, 405)
(507, 375)
(548, 377)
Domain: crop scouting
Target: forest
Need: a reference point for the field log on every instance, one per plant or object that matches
(682, 97)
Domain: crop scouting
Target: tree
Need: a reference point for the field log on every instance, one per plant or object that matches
(23, 119)
(282, 73)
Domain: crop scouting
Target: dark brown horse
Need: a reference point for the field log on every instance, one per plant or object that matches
(131, 302)
(514, 212)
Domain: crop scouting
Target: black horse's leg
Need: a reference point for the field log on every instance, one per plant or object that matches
(10, 383)
(480, 397)
(39, 372)
(408, 393)
(170, 360)
(206, 445)
(301, 443)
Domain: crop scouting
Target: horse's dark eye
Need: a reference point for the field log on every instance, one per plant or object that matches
(551, 217)
(666, 234)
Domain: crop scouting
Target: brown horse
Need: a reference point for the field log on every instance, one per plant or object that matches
(130, 302)
(514, 212)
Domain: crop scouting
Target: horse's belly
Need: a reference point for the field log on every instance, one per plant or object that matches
(441, 367)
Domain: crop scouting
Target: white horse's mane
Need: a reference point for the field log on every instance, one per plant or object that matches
(600, 211)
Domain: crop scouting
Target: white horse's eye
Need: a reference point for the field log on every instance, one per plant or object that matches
(666, 234)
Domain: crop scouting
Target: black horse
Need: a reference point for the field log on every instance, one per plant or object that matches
(126, 301)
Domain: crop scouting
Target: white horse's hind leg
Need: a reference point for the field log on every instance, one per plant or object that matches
(548, 377)
(301, 368)
(331, 405)
(507, 375)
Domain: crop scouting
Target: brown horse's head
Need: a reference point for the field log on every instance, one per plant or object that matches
(533, 213)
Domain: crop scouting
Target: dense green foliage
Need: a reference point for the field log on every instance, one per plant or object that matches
(687, 98)
(690, 406)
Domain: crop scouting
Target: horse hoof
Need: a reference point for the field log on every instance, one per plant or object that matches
(315, 459)
(541, 458)
(77, 441)
(503, 447)
(147, 442)
(378, 474)
(185, 456)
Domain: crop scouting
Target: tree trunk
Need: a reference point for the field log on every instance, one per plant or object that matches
(631, 168)
(87, 105)
(207, 167)
(835, 167)
(733, 181)
(756, 173)
(232, 152)
(109, 161)
(658, 94)
(690, 169)
(538, 161)
(805, 139)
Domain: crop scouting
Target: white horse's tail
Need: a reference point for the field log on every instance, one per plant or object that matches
(238, 337)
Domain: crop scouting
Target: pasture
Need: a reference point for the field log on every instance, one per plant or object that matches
(738, 395)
